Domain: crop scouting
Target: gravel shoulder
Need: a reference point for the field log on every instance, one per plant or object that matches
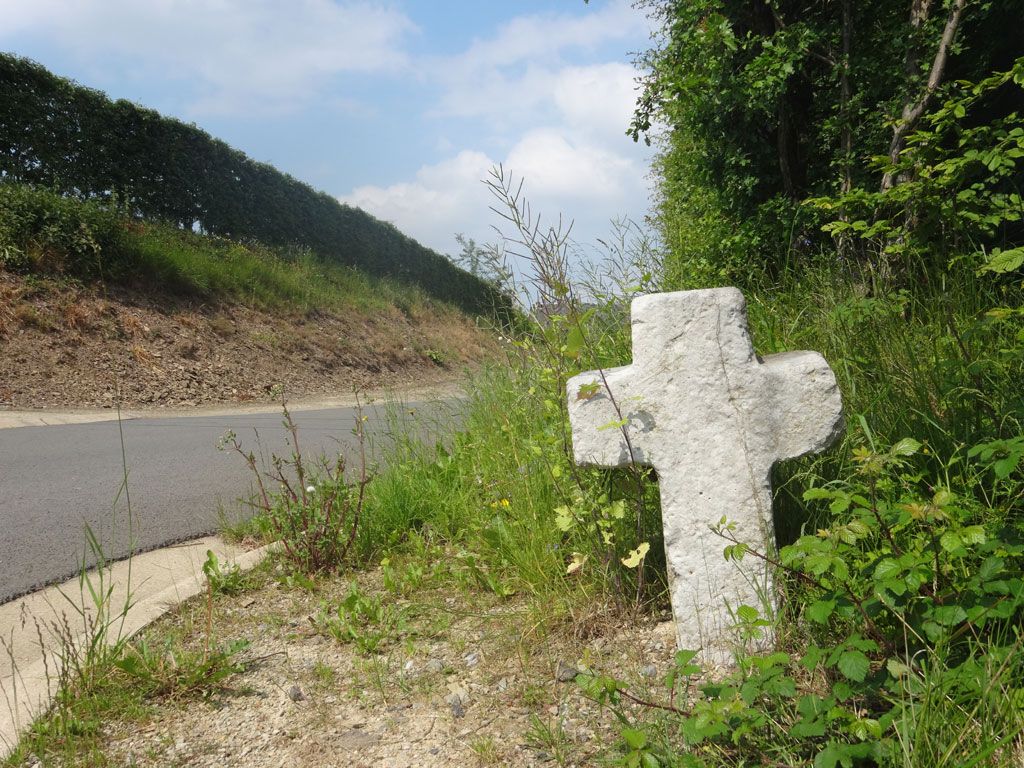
(449, 676)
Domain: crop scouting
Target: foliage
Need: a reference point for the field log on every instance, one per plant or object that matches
(361, 619)
(759, 106)
(959, 198)
(167, 671)
(43, 232)
(78, 143)
(227, 578)
(315, 513)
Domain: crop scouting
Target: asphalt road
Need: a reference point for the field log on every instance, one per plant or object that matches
(55, 480)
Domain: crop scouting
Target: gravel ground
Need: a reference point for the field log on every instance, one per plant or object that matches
(460, 679)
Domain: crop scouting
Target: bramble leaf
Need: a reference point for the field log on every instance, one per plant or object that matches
(854, 665)
(821, 610)
(908, 446)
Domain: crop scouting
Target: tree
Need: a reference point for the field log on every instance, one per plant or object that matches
(759, 105)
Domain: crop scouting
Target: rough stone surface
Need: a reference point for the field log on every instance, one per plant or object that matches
(711, 417)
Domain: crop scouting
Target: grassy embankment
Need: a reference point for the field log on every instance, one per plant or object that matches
(50, 236)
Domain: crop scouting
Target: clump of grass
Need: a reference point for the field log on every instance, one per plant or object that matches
(313, 511)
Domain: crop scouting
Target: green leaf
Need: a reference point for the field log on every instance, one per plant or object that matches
(635, 739)
(887, 569)
(990, 568)
(854, 665)
(908, 446)
(859, 527)
(747, 613)
(950, 541)
(973, 534)
(1002, 262)
(821, 610)
(575, 342)
(949, 615)
(839, 505)
(684, 657)
(1004, 466)
(817, 493)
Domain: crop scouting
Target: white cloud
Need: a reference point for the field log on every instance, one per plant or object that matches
(598, 99)
(511, 76)
(242, 55)
(563, 176)
(437, 203)
(543, 37)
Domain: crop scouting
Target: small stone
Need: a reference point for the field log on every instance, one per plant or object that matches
(566, 672)
(434, 665)
(295, 693)
(455, 702)
(650, 671)
(472, 659)
(357, 739)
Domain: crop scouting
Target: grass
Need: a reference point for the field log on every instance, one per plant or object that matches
(44, 234)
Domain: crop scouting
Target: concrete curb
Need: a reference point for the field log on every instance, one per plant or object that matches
(43, 417)
(158, 582)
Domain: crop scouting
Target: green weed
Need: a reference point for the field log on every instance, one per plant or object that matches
(315, 513)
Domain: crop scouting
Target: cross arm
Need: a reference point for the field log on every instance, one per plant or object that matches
(597, 439)
(807, 406)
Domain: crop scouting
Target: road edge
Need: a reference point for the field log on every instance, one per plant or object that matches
(151, 583)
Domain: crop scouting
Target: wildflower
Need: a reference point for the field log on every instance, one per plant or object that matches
(310, 489)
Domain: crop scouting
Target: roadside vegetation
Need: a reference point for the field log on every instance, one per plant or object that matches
(52, 236)
(899, 554)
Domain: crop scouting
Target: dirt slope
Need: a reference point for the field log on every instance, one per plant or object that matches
(67, 345)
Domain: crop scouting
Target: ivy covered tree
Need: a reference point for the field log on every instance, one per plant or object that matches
(761, 105)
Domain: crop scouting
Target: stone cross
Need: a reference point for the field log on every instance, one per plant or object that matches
(711, 418)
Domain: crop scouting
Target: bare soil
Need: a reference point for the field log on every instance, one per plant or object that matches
(66, 345)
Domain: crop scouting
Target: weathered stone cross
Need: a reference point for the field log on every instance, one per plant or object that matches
(711, 418)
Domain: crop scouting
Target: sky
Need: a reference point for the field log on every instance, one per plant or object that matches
(401, 108)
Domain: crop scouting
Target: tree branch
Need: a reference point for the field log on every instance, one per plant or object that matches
(912, 112)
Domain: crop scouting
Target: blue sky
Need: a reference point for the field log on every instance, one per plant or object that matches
(400, 108)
